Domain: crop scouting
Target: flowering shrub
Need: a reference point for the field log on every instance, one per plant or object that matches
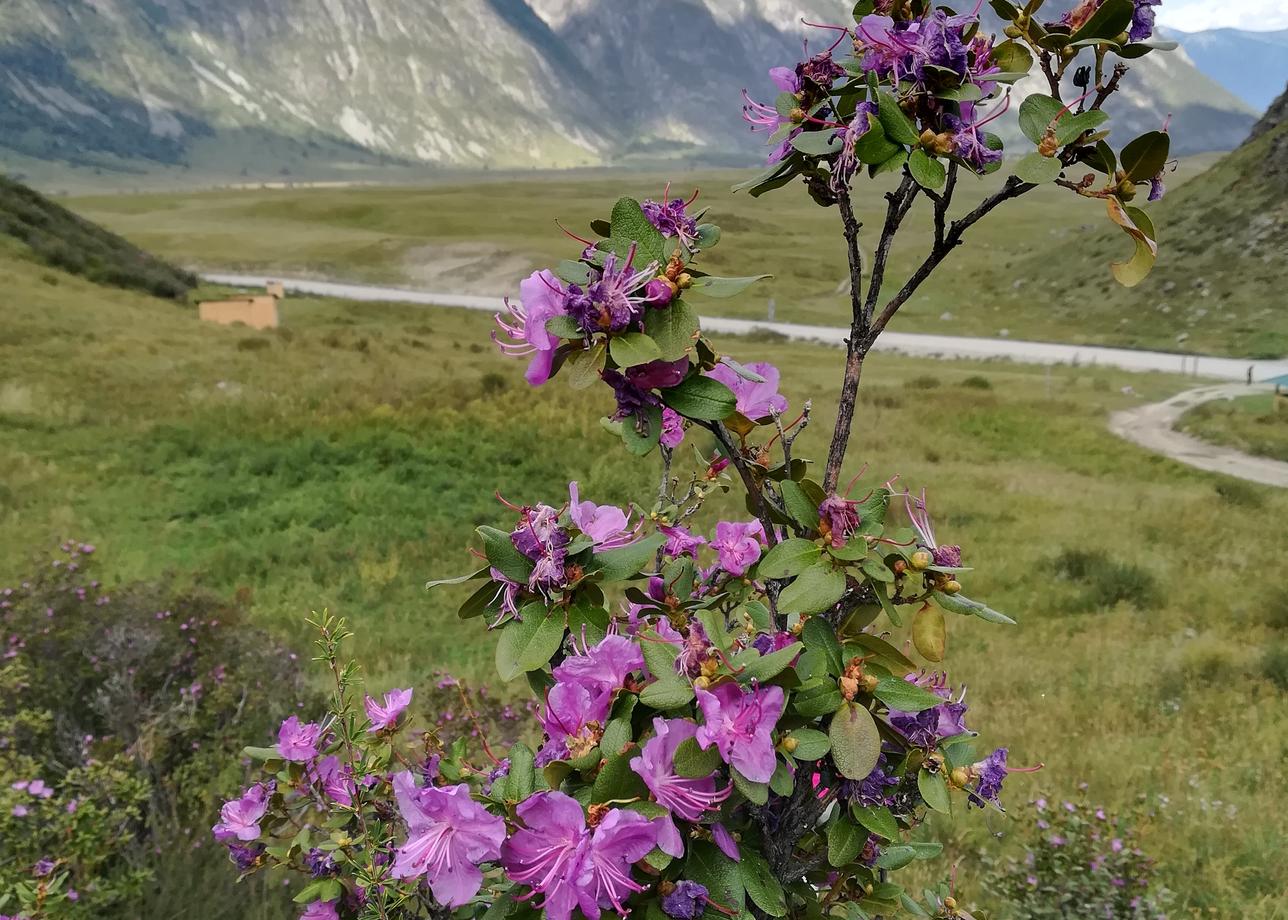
(118, 715)
(730, 720)
(1079, 860)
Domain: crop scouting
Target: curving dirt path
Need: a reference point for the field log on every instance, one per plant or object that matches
(1151, 428)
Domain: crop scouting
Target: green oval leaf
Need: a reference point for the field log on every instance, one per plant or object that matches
(701, 399)
(631, 349)
(935, 791)
(791, 557)
(724, 287)
(926, 170)
(528, 644)
(813, 591)
(899, 694)
(1036, 114)
(856, 744)
(1036, 169)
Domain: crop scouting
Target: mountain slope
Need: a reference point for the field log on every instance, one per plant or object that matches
(1219, 282)
(56, 237)
(1252, 65)
(259, 84)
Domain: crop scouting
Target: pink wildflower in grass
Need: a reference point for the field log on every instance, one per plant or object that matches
(298, 741)
(741, 724)
(239, 819)
(569, 865)
(385, 716)
(448, 836)
(686, 798)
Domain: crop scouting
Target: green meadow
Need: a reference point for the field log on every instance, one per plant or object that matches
(482, 236)
(1252, 424)
(344, 459)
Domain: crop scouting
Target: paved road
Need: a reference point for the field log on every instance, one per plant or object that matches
(930, 346)
(1152, 428)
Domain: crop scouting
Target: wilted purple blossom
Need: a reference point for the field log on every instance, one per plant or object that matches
(320, 910)
(948, 556)
(927, 728)
(841, 516)
(989, 774)
(686, 901)
(680, 542)
(672, 428)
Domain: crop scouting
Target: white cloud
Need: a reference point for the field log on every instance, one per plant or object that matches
(1196, 15)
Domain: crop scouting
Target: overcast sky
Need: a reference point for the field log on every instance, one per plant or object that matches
(1193, 15)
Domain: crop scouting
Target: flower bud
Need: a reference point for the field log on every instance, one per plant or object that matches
(950, 903)
(797, 115)
(921, 560)
(952, 586)
(899, 566)
(1012, 31)
(684, 281)
(790, 744)
(1126, 189)
(701, 683)
(659, 292)
(959, 777)
(1048, 145)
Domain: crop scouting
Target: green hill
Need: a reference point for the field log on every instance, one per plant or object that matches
(1219, 282)
(60, 239)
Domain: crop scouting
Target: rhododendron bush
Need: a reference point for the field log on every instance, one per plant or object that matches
(747, 719)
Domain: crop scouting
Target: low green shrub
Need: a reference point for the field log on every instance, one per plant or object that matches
(1102, 581)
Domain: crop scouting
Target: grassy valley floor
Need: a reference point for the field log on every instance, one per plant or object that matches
(345, 458)
(482, 236)
(1251, 424)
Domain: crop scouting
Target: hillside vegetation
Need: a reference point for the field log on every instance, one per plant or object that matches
(61, 239)
(1221, 274)
(345, 458)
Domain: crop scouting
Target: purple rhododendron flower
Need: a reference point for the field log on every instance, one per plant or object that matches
(927, 728)
(680, 542)
(969, 144)
(616, 300)
(573, 719)
(684, 797)
(841, 517)
(738, 545)
(672, 429)
(298, 741)
(671, 219)
(1142, 21)
(785, 79)
(865, 114)
(335, 778)
(604, 524)
(686, 901)
(990, 773)
(386, 716)
(570, 866)
(631, 398)
(754, 400)
(601, 668)
(542, 297)
(244, 856)
(939, 44)
(658, 375)
(950, 556)
(448, 835)
(239, 819)
(721, 837)
(870, 791)
(320, 910)
(741, 724)
(320, 863)
(766, 644)
(820, 70)
(539, 537)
